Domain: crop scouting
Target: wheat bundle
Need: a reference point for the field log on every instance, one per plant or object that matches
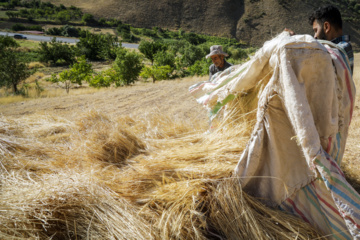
(152, 177)
(66, 206)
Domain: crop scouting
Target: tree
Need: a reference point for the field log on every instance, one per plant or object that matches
(98, 46)
(156, 72)
(18, 27)
(63, 16)
(10, 14)
(69, 31)
(102, 22)
(193, 38)
(79, 72)
(164, 58)
(55, 52)
(104, 78)
(189, 55)
(12, 70)
(88, 19)
(200, 68)
(124, 31)
(128, 66)
(149, 49)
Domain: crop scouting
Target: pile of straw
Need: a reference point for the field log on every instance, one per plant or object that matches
(151, 177)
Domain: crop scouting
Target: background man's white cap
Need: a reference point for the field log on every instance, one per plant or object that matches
(216, 50)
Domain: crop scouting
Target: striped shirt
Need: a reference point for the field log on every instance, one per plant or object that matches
(344, 42)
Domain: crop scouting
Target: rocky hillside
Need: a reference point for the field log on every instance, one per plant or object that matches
(251, 21)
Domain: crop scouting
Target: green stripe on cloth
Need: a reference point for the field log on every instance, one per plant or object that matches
(339, 182)
(219, 105)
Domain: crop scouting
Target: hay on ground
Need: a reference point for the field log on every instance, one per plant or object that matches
(148, 178)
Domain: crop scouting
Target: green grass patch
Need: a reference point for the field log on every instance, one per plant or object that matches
(3, 14)
(28, 57)
(31, 45)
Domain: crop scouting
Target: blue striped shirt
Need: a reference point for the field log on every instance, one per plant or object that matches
(344, 42)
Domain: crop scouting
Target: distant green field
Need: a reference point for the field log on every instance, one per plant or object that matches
(3, 14)
(32, 45)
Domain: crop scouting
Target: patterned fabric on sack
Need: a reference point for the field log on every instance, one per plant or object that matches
(344, 43)
(292, 158)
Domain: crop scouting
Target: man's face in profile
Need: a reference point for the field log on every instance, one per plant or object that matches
(217, 60)
(319, 32)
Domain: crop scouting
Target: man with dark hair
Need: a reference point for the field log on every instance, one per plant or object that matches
(327, 25)
(217, 56)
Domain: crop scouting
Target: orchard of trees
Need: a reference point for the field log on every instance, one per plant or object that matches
(162, 54)
(36, 9)
(156, 60)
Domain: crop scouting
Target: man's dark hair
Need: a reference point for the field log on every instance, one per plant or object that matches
(327, 14)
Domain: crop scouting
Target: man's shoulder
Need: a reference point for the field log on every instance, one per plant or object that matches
(227, 64)
(345, 45)
(343, 41)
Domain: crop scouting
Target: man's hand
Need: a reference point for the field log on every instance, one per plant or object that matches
(292, 33)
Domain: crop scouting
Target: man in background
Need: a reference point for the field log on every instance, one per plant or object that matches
(218, 58)
(327, 25)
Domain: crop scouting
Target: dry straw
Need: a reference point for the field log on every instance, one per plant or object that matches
(152, 177)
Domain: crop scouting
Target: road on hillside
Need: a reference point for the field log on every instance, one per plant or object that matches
(44, 38)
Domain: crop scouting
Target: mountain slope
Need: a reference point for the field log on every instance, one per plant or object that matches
(251, 21)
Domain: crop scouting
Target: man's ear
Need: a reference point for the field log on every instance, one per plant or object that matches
(327, 27)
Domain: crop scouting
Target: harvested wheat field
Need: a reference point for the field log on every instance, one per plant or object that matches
(135, 163)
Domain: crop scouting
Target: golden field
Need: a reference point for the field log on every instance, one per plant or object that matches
(134, 163)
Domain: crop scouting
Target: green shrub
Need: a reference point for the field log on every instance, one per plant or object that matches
(148, 32)
(189, 55)
(70, 31)
(98, 46)
(200, 68)
(88, 19)
(124, 31)
(164, 58)
(149, 49)
(238, 53)
(10, 14)
(193, 38)
(21, 27)
(56, 52)
(79, 72)
(113, 22)
(128, 66)
(66, 31)
(156, 72)
(54, 31)
(104, 78)
(28, 57)
(18, 27)
(12, 70)
(102, 22)
(63, 16)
